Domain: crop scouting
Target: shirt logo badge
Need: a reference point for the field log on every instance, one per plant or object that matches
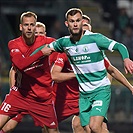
(85, 49)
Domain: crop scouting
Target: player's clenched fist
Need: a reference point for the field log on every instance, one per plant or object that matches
(46, 50)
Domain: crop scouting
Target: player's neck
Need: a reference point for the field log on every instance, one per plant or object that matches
(29, 41)
(76, 38)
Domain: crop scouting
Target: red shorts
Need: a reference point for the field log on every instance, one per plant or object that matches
(18, 117)
(66, 109)
(42, 112)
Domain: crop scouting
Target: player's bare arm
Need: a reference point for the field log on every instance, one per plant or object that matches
(12, 77)
(59, 76)
(115, 73)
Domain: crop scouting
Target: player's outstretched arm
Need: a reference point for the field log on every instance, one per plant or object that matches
(115, 73)
(128, 64)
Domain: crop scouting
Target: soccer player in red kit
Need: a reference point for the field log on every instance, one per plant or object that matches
(65, 92)
(32, 93)
(12, 123)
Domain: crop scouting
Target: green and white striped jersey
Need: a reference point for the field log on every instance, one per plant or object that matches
(87, 59)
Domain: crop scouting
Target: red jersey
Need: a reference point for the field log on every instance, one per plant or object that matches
(67, 90)
(65, 94)
(52, 58)
(106, 63)
(32, 77)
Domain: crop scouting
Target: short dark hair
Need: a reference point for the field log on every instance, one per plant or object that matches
(87, 18)
(72, 12)
(27, 14)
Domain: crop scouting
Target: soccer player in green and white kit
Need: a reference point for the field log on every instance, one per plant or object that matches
(84, 52)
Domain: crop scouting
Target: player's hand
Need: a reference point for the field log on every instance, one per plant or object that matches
(128, 65)
(46, 50)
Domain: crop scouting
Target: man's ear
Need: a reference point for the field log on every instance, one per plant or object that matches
(66, 23)
(20, 27)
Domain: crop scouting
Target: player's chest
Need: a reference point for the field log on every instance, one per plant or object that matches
(28, 50)
(81, 48)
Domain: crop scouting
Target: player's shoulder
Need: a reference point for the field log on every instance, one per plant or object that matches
(62, 55)
(93, 36)
(16, 40)
(64, 40)
(54, 54)
(44, 39)
(87, 32)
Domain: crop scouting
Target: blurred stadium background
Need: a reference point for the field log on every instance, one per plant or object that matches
(113, 18)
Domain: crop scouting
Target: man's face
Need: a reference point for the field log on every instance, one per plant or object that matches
(86, 27)
(28, 27)
(40, 31)
(86, 21)
(74, 23)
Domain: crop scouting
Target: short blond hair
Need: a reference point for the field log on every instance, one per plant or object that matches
(39, 24)
(27, 14)
(87, 18)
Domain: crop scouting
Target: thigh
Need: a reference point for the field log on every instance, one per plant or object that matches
(96, 120)
(43, 113)
(18, 118)
(96, 104)
(13, 105)
(67, 109)
(76, 125)
(101, 103)
(85, 110)
(12, 123)
(9, 126)
(76, 121)
(3, 120)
